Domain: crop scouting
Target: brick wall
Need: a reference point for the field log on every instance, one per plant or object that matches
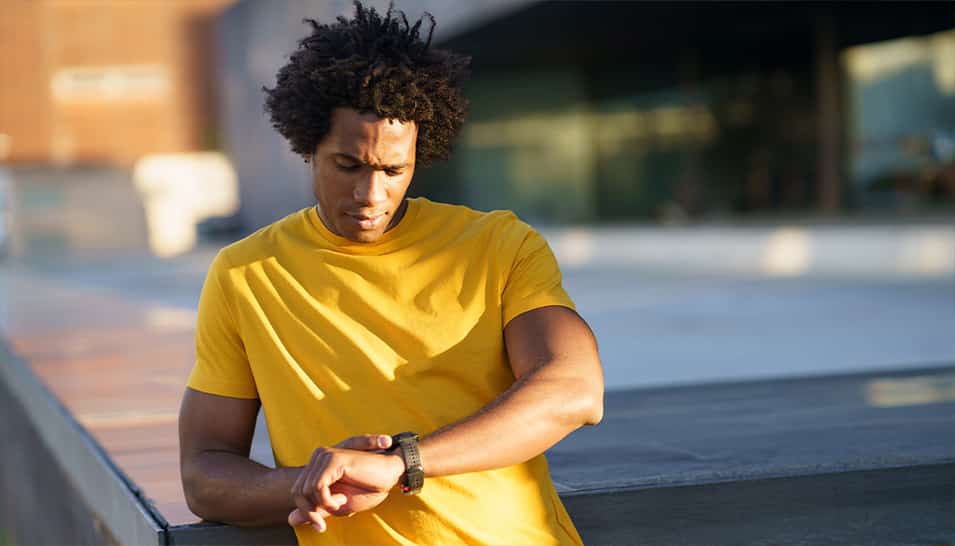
(106, 81)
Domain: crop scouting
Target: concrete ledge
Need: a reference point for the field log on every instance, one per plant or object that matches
(849, 459)
(902, 506)
(861, 458)
(50, 443)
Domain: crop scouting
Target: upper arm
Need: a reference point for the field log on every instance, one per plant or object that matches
(222, 366)
(533, 279)
(554, 346)
(208, 422)
(541, 324)
(548, 334)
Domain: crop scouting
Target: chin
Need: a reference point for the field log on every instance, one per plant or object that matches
(364, 236)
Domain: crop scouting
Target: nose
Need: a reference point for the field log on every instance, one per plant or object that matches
(371, 190)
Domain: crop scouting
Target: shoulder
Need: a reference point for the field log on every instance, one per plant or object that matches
(263, 242)
(503, 225)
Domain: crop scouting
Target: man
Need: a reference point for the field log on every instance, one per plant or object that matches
(375, 313)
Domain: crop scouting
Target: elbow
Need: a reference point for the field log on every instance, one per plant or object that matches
(594, 408)
(595, 400)
(197, 495)
(592, 398)
(587, 407)
(194, 498)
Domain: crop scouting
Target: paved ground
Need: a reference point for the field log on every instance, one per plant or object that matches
(656, 328)
(666, 318)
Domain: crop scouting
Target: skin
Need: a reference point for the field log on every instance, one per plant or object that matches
(361, 172)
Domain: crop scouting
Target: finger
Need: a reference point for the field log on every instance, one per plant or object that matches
(308, 513)
(308, 510)
(329, 501)
(340, 501)
(366, 442)
(297, 486)
(299, 517)
(330, 474)
(314, 484)
(295, 518)
(300, 485)
(314, 471)
(321, 526)
(309, 490)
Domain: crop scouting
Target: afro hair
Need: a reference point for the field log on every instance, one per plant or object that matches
(372, 63)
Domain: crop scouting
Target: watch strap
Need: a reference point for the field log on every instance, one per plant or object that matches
(406, 443)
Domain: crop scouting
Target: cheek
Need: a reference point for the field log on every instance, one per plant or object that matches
(332, 187)
(401, 186)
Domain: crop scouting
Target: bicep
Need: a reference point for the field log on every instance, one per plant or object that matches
(551, 334)
(208, 422)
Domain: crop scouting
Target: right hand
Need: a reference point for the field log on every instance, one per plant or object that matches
(308, 501)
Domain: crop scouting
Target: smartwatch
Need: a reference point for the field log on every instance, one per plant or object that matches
(413, 479)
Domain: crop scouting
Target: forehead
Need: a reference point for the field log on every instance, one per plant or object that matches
(365, 134)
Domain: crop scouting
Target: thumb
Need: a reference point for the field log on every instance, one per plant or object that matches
(366, 442)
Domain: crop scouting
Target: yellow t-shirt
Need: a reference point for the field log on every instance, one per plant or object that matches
(340, 338)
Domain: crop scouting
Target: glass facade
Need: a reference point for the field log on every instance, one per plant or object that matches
(604, 142)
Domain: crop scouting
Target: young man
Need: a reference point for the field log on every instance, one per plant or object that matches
(375, 313)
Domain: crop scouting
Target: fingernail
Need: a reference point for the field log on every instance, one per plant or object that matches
(317, 528)
(383, 441)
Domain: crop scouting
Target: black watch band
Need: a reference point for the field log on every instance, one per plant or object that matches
(407, 444)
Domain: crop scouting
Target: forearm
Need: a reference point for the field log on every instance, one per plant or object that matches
(538, 411)
(229, 488)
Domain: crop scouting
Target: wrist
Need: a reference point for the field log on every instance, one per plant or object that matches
(412, 478)
(288, 476)
(397, 465)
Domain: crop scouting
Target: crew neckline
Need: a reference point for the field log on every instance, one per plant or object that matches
(389, 240)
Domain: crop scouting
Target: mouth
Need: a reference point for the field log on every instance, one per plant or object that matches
(367, 221)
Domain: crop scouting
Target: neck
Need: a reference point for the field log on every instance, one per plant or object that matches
(399, 214)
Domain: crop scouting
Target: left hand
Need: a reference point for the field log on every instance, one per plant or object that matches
(342, 482)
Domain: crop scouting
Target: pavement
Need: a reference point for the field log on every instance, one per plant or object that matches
(669, 305)
(653, 327)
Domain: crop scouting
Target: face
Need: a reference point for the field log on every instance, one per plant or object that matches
(360, 174)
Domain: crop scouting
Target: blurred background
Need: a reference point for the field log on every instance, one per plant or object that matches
(734, 190)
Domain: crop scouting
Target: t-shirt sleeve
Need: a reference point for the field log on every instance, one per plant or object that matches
(534, 280)
(221, 366)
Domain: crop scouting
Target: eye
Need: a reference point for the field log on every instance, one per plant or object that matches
(348, 167)
(393, 172)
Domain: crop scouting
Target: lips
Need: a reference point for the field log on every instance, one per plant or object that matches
(366, 220)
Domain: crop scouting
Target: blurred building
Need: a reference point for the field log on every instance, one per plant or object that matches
(106, 81)
(596, 111)
(589, 111)
(581, 111)
(108, 111)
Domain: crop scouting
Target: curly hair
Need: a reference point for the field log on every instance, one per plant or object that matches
(371, 63)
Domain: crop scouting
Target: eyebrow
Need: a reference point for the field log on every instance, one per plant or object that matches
(350, 157)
